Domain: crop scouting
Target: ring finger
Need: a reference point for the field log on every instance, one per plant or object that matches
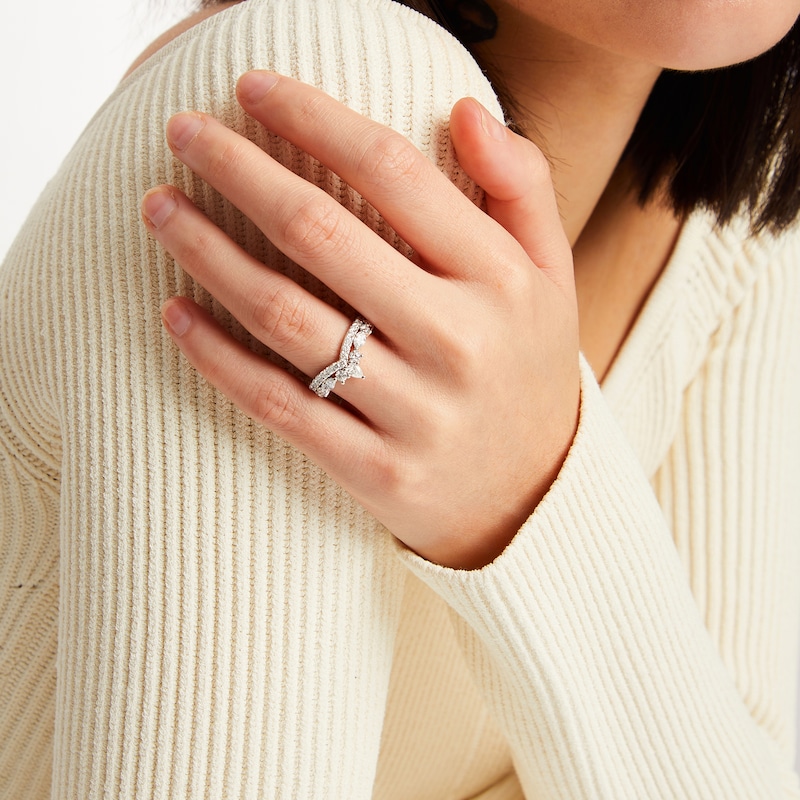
(291, 321)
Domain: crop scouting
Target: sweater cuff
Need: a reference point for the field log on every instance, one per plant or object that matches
(589, 536)
(581, 492)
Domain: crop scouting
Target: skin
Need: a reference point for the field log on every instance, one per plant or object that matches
(399, 447)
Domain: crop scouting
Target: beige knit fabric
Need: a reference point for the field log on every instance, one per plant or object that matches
(190, 609)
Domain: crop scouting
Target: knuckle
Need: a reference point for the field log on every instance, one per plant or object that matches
(196, 247)
(311, 110)
(215, 372)
(463, 353)
(392, 159)
(276, 406)
(454, 341)
(406, 474)
(389, 473)
(515, 283)
(316, 228)
(283, 316)
(224, 160)
(468, 360)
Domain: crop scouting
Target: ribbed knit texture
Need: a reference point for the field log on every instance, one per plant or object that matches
(190, 609)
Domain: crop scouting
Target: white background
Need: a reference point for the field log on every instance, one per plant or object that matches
(58, 62)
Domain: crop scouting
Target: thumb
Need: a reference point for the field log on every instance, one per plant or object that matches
(515, 176)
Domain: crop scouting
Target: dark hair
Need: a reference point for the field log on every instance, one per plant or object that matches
(727, 140)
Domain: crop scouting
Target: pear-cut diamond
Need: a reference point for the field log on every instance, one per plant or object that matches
(348, 364)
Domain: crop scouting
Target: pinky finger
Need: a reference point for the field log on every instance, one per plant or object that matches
(265, 392)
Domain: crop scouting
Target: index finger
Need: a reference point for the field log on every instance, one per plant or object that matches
(414, 197)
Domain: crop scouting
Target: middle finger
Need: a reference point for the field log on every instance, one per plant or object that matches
(305, 223)
(411, 193)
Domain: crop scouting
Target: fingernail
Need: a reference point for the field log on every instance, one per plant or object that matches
(157, 206)
(491, 127)
(176, 317)
(182, 128)
(253, 86)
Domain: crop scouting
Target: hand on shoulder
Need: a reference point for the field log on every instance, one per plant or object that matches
(472, 390)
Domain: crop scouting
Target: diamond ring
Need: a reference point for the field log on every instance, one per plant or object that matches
(347, 365)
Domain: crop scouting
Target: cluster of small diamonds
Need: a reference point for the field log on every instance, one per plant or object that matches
(347, 365)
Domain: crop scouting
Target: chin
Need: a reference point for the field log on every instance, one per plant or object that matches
(724, 32)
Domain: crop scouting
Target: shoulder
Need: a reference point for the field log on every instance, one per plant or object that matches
(381, 58)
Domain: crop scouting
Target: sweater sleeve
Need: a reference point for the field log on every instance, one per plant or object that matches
(189, 608)
(634, 645)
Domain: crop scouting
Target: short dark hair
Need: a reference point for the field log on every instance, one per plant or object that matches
(727, 140)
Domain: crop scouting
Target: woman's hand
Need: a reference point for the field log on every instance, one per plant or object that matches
(471, 396)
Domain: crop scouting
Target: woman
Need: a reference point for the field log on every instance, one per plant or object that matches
(536, 621)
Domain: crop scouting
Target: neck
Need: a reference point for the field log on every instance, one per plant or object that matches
(578, 103)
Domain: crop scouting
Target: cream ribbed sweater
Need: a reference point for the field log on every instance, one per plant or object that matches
(190, 609)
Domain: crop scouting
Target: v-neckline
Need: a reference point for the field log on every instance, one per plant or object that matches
(653, 320)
